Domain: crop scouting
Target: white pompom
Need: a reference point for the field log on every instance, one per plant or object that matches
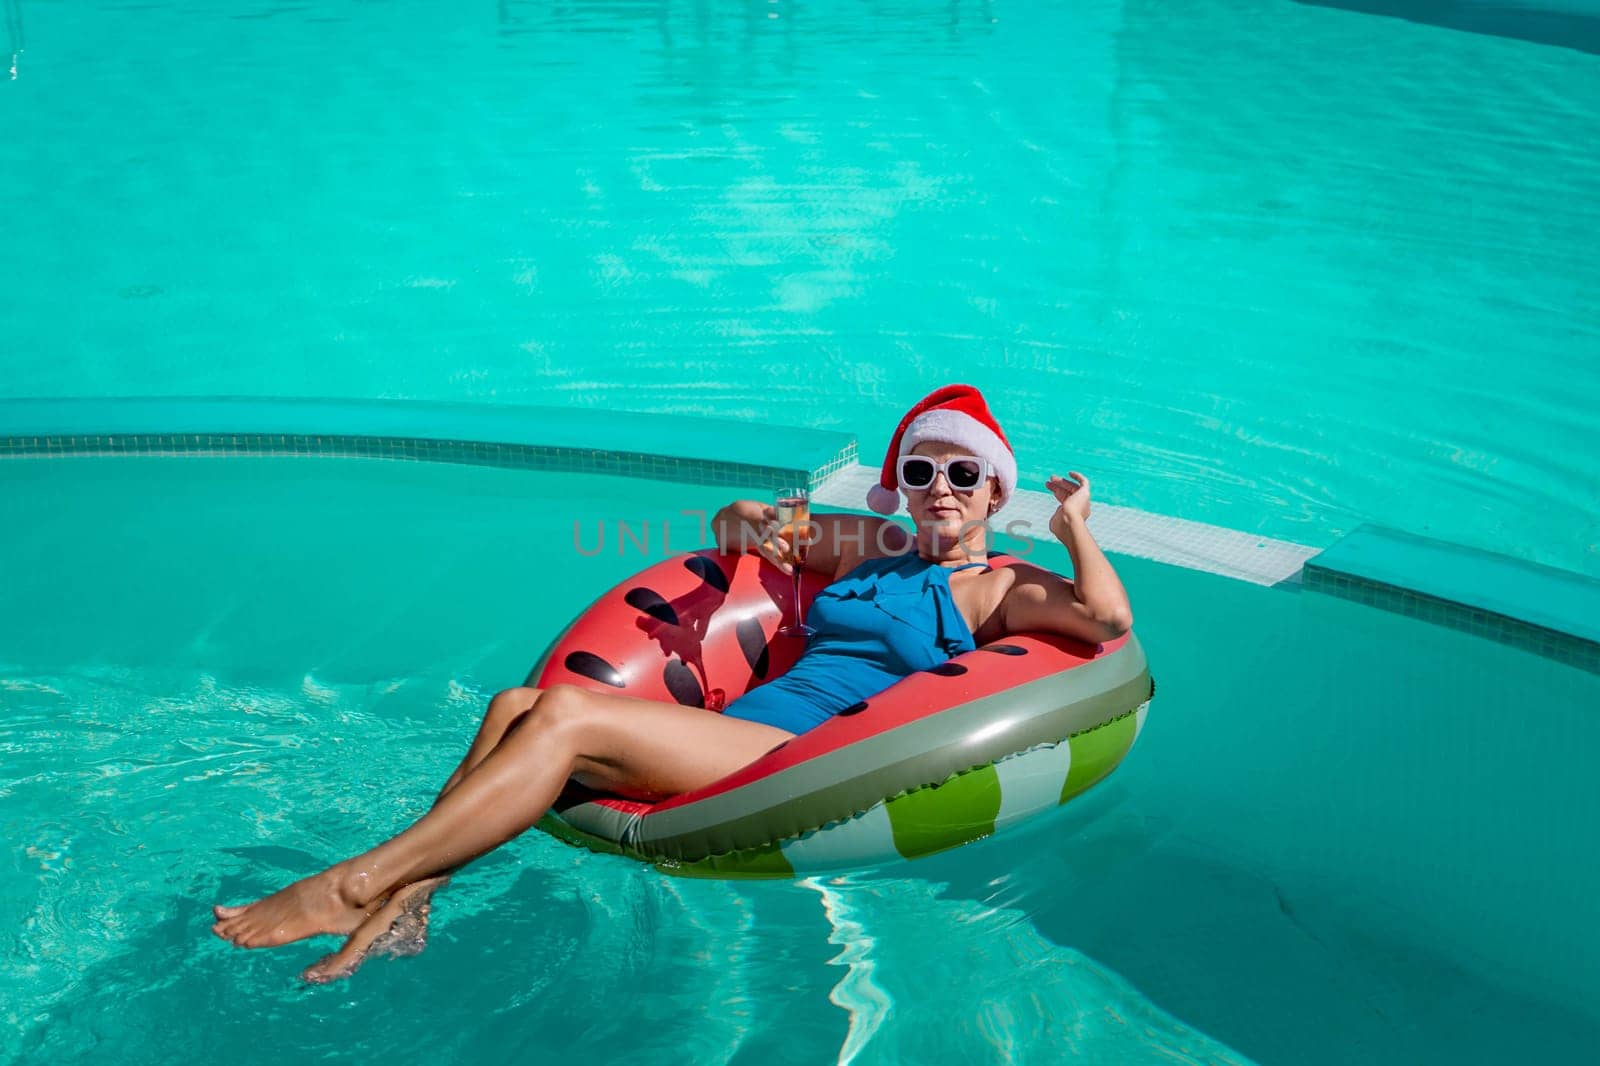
(882, 500)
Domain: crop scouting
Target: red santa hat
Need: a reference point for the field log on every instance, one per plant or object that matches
(955, 414)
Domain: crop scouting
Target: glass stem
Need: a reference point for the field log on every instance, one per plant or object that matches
(799, 608)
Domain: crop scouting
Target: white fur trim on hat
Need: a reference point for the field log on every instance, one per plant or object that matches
(962, 430)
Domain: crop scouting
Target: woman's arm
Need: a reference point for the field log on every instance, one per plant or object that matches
(1094, 606)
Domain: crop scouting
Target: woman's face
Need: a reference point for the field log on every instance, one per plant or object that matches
(942, 509)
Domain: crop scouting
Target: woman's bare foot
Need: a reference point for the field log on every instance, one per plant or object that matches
(318, 904)
(399, 927)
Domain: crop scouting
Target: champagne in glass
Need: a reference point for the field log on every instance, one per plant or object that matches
(794, 518)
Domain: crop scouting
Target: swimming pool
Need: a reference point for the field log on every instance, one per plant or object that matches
(1283, 267)
(1280, 267)
(1345, 836)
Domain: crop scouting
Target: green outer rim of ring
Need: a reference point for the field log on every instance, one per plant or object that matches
(922, 753)
(767, 861)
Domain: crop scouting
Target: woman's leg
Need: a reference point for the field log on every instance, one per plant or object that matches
(399, 926)
(505, 710)
(641, 747)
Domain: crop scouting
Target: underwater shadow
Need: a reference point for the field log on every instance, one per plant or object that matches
(1280, 974)
(1577, 30)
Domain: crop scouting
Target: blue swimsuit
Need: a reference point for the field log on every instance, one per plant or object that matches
(887, 618)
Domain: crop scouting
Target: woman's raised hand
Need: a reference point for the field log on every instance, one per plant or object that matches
(1072, 495)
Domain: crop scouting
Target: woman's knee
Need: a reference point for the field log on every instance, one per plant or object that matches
(557, 708)
(560, 706)
(510, 704)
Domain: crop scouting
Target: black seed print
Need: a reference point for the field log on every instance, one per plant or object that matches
(1004, 649)
(948, 670)
(707, 571)
(753, 642)
(854, 708)
(650, 602)
(683, 685)
(590, 665)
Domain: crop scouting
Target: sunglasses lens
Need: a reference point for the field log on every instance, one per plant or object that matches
(964, 474)
(917, 473)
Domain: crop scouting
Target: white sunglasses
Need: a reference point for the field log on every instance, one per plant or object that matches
(963, 472)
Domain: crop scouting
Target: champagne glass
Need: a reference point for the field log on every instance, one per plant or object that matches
(794, 518)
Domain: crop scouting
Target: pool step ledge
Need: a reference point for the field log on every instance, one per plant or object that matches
(1123, 530)
(1550, 612)
(602, 441)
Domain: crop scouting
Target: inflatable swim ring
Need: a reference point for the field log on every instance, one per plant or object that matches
(940, 758)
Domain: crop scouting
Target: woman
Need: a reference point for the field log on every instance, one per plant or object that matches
(896, 602)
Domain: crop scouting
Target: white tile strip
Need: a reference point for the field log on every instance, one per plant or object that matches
(1124, 530)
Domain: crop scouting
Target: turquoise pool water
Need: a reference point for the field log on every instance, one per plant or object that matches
(1282, 267)
(1344, 837)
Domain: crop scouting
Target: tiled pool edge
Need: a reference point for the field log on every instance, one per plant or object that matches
(1463, 589)
(672, 448)
(660, 447)
(472, 453)
(1549, 643)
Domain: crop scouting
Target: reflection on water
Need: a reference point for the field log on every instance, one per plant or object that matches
(856, 993)
(940, 978)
